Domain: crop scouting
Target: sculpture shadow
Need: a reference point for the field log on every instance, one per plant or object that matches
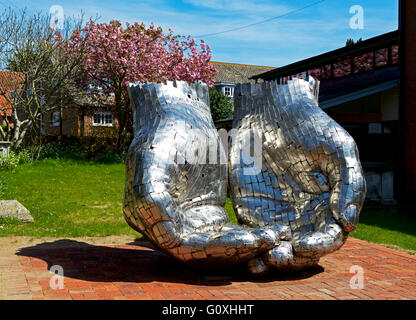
(139, 262)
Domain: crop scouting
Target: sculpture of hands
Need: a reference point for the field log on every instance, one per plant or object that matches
(295, 204)
(176, 179)
(307, 176)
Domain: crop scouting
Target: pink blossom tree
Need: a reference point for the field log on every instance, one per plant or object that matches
(116, 55)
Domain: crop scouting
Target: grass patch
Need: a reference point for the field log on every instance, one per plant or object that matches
(8, 222)
(67, 198)
(230, 211)
(387, 227)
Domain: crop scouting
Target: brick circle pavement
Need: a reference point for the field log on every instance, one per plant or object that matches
(137, 271)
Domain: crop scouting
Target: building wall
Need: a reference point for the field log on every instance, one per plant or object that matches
(373, 123)
(408, 98)
(76, 122)
(389, 107)
(69, 125)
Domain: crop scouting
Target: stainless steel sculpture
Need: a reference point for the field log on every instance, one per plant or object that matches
(173, 194)
(296, 201)
(308, 176)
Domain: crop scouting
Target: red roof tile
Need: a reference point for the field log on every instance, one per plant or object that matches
(9, 81)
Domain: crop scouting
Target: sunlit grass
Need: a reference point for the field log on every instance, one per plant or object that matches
(387, 227)
(67, 198)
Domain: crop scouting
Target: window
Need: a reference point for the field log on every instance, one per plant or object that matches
(95, 87)
(103, 119)
(98, 86)
(229, 91)
(380, 128)
(375, 128)
(42, 129)
(55, 119)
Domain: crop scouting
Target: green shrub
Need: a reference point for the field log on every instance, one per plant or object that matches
(10, 162)
(24, 156)
(109, 156)
(99, 148)
(221, 106)
(87, 149)
(14, 159)
(59, 150)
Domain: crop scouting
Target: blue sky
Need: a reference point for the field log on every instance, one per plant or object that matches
(297, 36)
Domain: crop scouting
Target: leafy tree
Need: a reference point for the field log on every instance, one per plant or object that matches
(117, 55)
(39, 74)
(350, 42)
(221, 106)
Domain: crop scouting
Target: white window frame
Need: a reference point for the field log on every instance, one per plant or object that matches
(230, 94)
(102, 116)
(55, 119)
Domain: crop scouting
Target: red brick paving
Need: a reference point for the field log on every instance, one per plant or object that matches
(136, 271)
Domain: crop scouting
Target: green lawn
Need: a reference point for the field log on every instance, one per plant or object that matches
(67, 198)
(72, 199)
(387, 227)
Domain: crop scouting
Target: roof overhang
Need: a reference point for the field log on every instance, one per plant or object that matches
(359, 94)
(379, 42)
(224, 84)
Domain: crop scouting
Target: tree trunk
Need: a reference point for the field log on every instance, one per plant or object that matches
(123, 122)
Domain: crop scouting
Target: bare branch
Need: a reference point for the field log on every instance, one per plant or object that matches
(34, 53)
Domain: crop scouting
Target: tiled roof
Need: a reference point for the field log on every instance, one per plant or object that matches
(9, 81)
(83, 98)
(237, 73)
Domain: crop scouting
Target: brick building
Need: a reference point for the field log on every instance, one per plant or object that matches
(85, 117)
(9, 81)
